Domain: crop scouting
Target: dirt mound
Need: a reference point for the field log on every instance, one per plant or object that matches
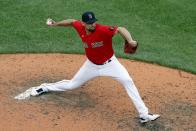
(100, 105)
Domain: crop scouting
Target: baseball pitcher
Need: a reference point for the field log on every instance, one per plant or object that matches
(101, 61)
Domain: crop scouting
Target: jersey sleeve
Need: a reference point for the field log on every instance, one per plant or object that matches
(77, 25)
(110, 31)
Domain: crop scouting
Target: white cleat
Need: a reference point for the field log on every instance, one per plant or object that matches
(149, 117)
(24, 95)
(33, 91)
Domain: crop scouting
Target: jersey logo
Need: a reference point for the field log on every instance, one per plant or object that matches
(97, 44)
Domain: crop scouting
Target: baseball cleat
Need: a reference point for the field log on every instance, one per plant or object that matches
(149, 117)
(37, 91)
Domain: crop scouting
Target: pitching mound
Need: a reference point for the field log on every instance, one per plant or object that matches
(100, 105)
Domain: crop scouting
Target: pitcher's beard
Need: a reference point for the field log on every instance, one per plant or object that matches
(91, 30)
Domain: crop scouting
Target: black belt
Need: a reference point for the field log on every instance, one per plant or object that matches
(108, 61)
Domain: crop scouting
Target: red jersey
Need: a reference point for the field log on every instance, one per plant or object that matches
(97, 44)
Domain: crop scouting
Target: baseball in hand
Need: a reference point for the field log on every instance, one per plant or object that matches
(49, 21)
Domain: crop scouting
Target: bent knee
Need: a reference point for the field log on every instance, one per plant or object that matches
(73, 85)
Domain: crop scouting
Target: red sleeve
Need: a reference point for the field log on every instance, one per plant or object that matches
(110, 31)
(77, 25)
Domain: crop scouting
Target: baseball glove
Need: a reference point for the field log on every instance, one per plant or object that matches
(128, 49)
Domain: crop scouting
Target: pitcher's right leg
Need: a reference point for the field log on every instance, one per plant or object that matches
(85, 73)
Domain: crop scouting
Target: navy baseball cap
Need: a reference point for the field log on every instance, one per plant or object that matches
(88, 17)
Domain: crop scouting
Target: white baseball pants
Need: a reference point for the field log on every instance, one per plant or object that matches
(90, 70)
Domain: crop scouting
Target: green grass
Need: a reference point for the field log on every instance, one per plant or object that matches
(165, 29)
